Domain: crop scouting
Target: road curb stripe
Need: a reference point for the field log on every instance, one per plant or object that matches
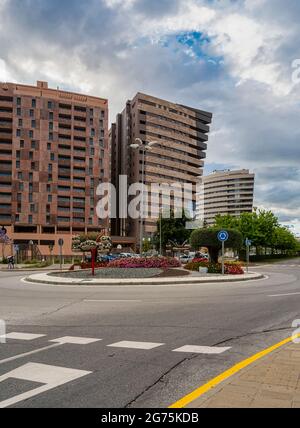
(183, 402)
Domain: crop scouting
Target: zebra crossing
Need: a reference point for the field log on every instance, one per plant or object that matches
(126, 344)
(47, 377)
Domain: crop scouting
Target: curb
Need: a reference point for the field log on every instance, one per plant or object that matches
(36, 279)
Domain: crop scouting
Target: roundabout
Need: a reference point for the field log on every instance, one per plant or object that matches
(180, 278)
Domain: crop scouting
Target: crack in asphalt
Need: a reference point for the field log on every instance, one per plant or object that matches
(161, 378)
(252, 334)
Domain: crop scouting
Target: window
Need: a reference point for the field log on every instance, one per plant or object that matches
(51, 136)
(30, 198)
(22, 144)
(30, 134)
(30, 219)
(50, 105)
(33, 144)
(32, 208)
(30, 176)
(93, 132)
(52, 156)
(19, 197)
(20, 176)
(18, 154)
(33, 124)
(18, 164)
(48, 188)
(30, 155)
(33, 166)
(30, 188)
(50, 167)
(91, 112)
(33, 103)
(49, 198)
(92, 151)
(51, 115)
(48, 146)
(17, 218)
(20, 123)
(51, 126)
(19, 111)
(50, 178)
(21, 187)
(18, 133)
(31, 113)
(19, 101)
(91, 141)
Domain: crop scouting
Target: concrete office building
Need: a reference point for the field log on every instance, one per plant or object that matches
(181, 134)
(225, 192)
(53, 153)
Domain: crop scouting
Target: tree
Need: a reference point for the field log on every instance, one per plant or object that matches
(284, 240)
(173, 229)
(209, 238)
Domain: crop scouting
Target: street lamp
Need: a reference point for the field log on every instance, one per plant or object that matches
(144, 146)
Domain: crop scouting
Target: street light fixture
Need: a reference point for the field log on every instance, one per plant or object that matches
(144, 146)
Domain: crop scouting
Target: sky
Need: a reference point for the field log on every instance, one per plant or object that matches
(231, 57)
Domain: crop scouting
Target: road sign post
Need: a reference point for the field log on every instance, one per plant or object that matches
(223, 236)
(61, 243)
(248, 245)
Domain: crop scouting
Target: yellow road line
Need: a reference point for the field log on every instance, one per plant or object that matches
(225, 375)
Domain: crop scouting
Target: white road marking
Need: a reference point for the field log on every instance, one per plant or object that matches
(136, 345)
(287, 294)
(51, 376)
(22, 336)
(75, 340)
(202, 349)
(113, 301)
(26, 354)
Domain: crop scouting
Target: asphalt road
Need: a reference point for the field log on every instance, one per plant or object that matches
(245, 317)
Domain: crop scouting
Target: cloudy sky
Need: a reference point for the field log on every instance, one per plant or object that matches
(231, 57)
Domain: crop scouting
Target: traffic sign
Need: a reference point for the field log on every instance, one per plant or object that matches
(61, 242)
(248, 243)
(223, 236)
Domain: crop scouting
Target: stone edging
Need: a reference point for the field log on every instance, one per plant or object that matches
(44, 278)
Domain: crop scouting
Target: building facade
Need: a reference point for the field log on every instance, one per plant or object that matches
(225, 192)
(180, 134)
(54, 151)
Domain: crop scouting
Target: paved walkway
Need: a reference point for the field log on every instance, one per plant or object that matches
(272, 382)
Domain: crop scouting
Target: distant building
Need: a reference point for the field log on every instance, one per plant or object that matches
(181, 134)
(225, 192)
(53, 154)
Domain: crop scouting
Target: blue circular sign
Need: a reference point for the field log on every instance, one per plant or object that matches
(223, 236)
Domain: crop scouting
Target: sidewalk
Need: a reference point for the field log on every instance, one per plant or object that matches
(272, 382)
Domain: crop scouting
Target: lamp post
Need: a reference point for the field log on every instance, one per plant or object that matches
(144, 146)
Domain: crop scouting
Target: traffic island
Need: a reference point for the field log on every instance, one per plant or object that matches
(181, 277)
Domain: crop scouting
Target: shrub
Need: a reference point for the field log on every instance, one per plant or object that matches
(148, 263)
(231, 268)
(87, 265)
(209, 238)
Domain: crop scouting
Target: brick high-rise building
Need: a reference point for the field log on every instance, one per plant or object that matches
(181, 134)
(53, 153)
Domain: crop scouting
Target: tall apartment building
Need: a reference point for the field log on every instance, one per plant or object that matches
(181, 134)
(225, 192)
(53, 153)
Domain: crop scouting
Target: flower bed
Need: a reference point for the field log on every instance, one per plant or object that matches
(231, 268)
(147, 263)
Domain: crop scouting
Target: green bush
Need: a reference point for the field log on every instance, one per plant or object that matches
(208, 237)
